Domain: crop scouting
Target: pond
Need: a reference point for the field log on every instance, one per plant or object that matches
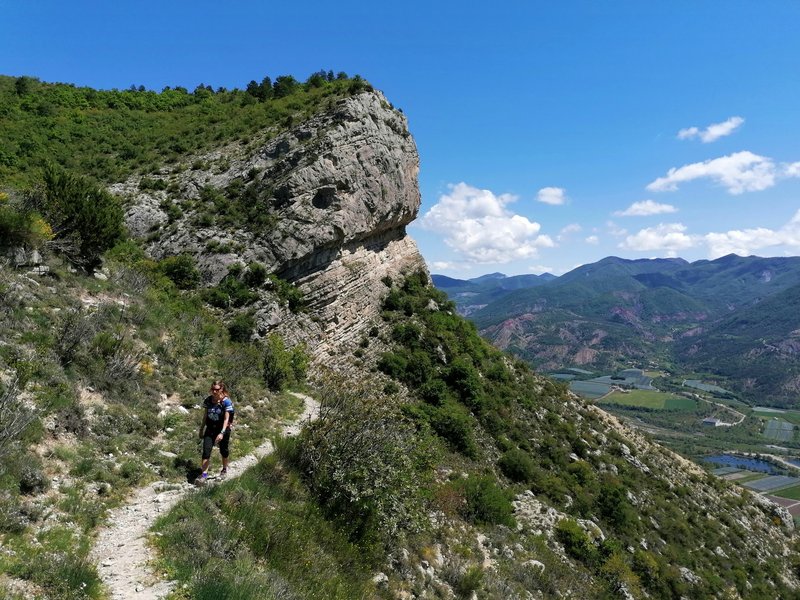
(741, 462)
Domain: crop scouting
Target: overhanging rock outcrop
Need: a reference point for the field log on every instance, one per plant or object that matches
(335, 192)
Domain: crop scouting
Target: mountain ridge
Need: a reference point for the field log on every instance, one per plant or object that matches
(616, 312)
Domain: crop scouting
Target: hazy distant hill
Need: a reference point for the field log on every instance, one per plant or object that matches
(473, 294)
(734, 316)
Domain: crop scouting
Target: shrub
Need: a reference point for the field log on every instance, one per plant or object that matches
(469, 582)
(181, 270)
(450, 422)
(73, 329)
(517, 465)
(486, 502)
(15, 417)
(86, 220)
(240, 329)
(21, 227)
(281, 366)
(32, 480)
(464, 379)
(576, 541)
(256, 275)
(365, 461)
(287, 293)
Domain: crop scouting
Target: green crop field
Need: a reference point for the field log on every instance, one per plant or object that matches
(792, 493)
(792, 416)
(650, 399)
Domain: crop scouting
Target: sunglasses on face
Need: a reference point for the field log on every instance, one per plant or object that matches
(216, 389)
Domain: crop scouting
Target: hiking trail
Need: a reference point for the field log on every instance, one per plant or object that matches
(121, 552)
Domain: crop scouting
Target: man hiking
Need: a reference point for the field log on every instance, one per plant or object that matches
(218, 416)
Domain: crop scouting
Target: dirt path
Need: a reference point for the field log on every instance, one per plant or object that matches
(121, 551)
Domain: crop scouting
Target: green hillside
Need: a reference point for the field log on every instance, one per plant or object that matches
(759, 345)
(110, 134)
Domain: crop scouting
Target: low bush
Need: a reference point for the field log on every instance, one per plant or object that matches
(289, 294)
(181, 270)
(454, 425)
(282, 366)
(241, 327)
(365, 462)
(517, 465)
(486, 502)
(21, 227)
(576, 541)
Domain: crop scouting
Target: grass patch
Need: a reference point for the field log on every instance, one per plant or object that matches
(262, 527)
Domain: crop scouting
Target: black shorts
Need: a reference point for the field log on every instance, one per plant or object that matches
(208, 443)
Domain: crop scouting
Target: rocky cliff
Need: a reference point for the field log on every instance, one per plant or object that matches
(333, 194)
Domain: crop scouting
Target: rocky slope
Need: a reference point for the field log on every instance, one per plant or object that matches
(337, 192)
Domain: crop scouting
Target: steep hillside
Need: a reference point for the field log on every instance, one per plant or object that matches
(439, 467)
(760, 345)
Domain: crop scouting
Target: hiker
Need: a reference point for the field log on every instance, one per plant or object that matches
(218, 416)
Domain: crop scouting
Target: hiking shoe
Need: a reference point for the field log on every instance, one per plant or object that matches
(223, 474)
(201, 479)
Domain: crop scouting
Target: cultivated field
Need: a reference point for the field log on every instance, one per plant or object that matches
(650, 399)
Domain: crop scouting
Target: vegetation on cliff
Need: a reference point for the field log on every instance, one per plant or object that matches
(109, 134)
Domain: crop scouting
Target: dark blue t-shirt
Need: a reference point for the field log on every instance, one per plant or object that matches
(215, 413)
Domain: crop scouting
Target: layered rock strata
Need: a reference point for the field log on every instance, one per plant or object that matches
(337, 191)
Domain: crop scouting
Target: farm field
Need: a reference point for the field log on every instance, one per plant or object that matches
(779, 429)
(589, 389)
(745, 476)
(629, 377)
(650, 399)
(772, 482)
(705, 387)
(762, 412)
(792, 493)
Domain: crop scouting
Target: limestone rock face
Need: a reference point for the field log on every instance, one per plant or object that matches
(335, 193)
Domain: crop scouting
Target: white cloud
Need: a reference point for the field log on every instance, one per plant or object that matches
(567, 230)
(739, 172)
(552, 195)
(443, 265)
(592, 239)
(665, 236)
(646, 208)
(478, 224)
(571, 228)
(791, 169)
(615, 229)
(712, 132)
(540, 269)
(746, 241)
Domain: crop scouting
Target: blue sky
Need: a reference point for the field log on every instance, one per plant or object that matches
(549, 132)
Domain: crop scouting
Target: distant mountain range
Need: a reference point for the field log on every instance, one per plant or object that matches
(736, 318)
(471, 295)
